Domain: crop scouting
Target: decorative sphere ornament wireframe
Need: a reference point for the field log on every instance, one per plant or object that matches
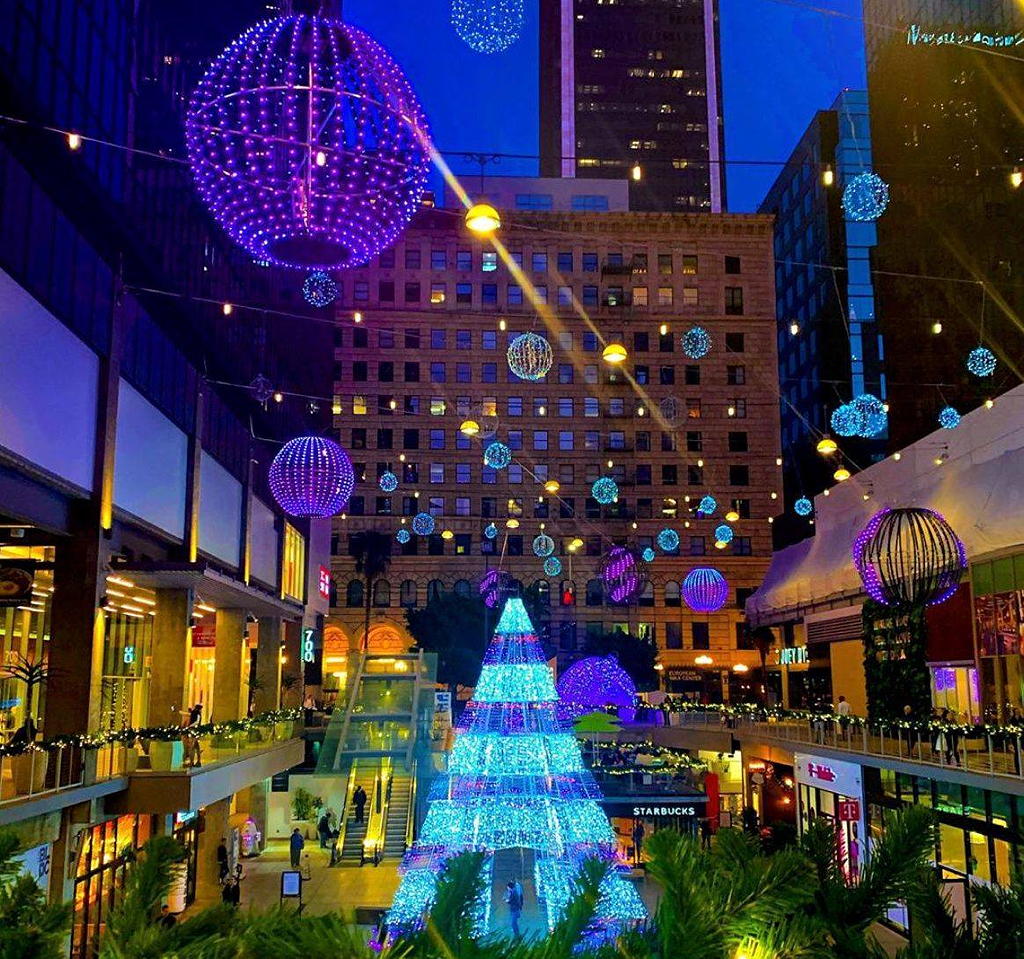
(262, 389)
(865, 197)
(490, 531)
(949, 418)
(723, 533)
(319, 289)
(668, 540)
(311, 476)
(553, 566)
(488, 26)
(423, 524)
(403, 535)
(605, 490)
(707, 505)
(497, 456)
(307, 143)
(909, 557)
(388, 482)
(872, 414)
(543, 545)
(803, 507)
(705, 589)
(494, 586)
(594, 683)
(530, 356)
(648, 555)
(981, 361)
(622, 574)
(696, 342)
(846, 420)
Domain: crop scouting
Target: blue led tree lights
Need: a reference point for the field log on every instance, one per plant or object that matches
(803, 507)
(949, 418)
(403, 535)
(981, 361)
(705, 589)
(497, 456)
(516, 779)
(668, 540)
(488, 26)
(530, 356)
(423, 524)
(388, 482)
(605, 490)
(319, 289)
(696, 342)
(865, 197)
(311, 476)
(553, 566)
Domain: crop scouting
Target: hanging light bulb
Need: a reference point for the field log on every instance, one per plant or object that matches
(936, 328)
(227, 309)
(989, 403)
(828, 176)
(663, 329)
(1016, 178)
(897, 456)
(74, 141)
(321, 158)
(502, 325)
(827, 446)
(636, 173)
(794, 328)
(614, 353)
(279, 397)
(841, 474)
(357, 317)
(482, 218)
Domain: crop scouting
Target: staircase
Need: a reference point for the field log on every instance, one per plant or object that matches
(355, 832)
(397, 825)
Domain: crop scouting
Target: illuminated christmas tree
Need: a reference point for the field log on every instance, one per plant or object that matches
(516, 780)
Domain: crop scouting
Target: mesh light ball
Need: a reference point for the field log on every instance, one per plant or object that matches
(423, 524)
(593, 684)
(705, 589)
(311, 476)
(494, 586)
(319, 289)
(696, 342)
(388, 482)
(949, 418)
(497, 456)
(648, 555)
(981, 361)
(707, 505)
(865, 197)
(490, 531)
(403, 535)
(488, 26)
(622, 574)
(723, 533)
(543, 545)
(307, 144)
(553, 566)
(530, 356)
(605, 490)
(803, 507)
(909, 557)
(846, 420)
(668, 540)
(872, 415)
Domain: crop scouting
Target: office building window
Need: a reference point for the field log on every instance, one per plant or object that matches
(673, 635)
(488, 261)
(386, 291)
(438, 293)
(412, 292)
(689, 265)
(589, 203)
(437, 373)
(732, 265)
(589, 295)
(694, 441)
(734, 342)
(438, 259)
(565, 440)
(540, 439)
(736, 375)
(589, 262)
(739, 475)
(489, 340)
(741, 546)
(464, 260)
(700, 633)
(565, 406)
(463, 473)
(639, 296)
(737, 442)
(565, 296)
(464, 293)
(665, 296)
(514, 295)
(565, 261)
(535, 201)
(539, 262)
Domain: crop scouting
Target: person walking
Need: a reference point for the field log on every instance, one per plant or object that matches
(222, 861)
(705, 833)
(323, 829)
(514, 901)
(359, 801)
(843, 711)
(295, 845)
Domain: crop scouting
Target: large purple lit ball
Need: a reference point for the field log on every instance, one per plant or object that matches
(623, 574)
(307, 143)
(494, 586)
(705, 589)
(594, 683)
(311, 476)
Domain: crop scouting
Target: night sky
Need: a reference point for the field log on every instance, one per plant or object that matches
(781, 59)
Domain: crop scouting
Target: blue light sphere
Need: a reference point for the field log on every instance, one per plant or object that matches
(872, 415)
(668, 540)
(553, 566)
(803, 507)
(648, 555)
(865, 197)
(705, 589)
(530, 356)
(846, 420)
(696, 342)
(723, 533)
(317, 180)
(311, 476)
(605, 490)
(403, 535)
(981, 361)
(497, 456)
(543, 545)
(707, 505)
(490, 531)
(488, 26)
(423, 524)
(388, 482)
(949, 418)
(319, 289)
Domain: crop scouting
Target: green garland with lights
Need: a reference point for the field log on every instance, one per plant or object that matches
(674, 760)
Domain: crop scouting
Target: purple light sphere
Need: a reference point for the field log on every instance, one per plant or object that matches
(311, 476)
(308, 144)
(494, 587)
(705, 589)
(623, 574)
(594, 683)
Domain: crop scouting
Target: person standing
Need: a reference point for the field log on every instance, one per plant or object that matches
(514, 901)
(323, 829)
(638, 840)
(295, 845)
(359, 801)
(222, 861)
(705, 833)
(843, 711)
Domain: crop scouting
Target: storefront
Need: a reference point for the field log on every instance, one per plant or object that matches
(788, 670)
(955, 687)
(770, 790)
(998, 589)
(186, 831)
(833, 790)
(636, 819)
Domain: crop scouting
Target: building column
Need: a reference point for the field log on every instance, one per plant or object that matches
(168, 685)
(291, 668)
(228, 673)
(216, 817)
(268, 664)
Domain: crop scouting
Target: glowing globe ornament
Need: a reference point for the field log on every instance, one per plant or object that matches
(403, 535)
(490, 531)
(307, 143)
(593, 684)
(949, 418)
(723, 533)
(319, 289)
(668, 540)
(494, 586)
(423, 524)
(803, 507)
(623, 575)
(648, 555)
(388, 482)
(845, 420)
(705, 589)
(543, 545)
(707, 505)
(488, 26)
(553, 566)
(311, 476)
(605, 490)
(872, 415)
(530, 356)
(981, 361)
(497, 456)
(865, 197)
(696, 342)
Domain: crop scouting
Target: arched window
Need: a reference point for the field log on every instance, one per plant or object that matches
(462, 588)
(595, 592)
(568, 592)
(434, 589)
(354, 593)
(382, 593)
(672, 593)
(646, 597)
(543, 588)
(407, 593)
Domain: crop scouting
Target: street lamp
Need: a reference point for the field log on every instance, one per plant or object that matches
(482, 218)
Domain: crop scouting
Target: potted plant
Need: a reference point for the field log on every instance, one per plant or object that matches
(28, 769)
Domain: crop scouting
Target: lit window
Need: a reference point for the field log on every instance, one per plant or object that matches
(359, 406)
(437, 406)
(489, 261)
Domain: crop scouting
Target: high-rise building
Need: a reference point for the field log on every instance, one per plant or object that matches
(830, 350)
(437, 313)
(633, 88)
(944, 85)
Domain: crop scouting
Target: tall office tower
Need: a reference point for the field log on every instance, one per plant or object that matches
(635, 83)
(830, 349)
(945, 81)
(437, 313)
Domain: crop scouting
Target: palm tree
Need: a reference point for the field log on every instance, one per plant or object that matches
(372, 552)
(30, 927)
(763, 639)
(32, 673)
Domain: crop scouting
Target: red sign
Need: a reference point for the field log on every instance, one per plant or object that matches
(822, 773)
(324, 583)
(204, 634)
(848, 810)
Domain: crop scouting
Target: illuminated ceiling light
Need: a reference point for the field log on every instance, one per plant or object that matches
(936, 327)
(1016, 178)
(482, 218)
(636, 173)
(614, 353)
(227, 309)
(828, 175)
(732, 516)
(469, 428)
(741, 668)
(841, 474)
(74, 141)
(321, 158)
(827, 446)
(794, 328)
(552, 486)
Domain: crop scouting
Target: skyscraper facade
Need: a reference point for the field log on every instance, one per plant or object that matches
(633, 89)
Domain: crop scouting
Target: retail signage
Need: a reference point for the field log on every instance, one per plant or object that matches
(848, 810)
(324, 582)
(670, 810)
(16, 581)
(832, 775)
(128, 655)
(918, 36)
(308, 646)
(35, 862)
(683, 675)
(686, 806)
(204, 634)
(793, 656)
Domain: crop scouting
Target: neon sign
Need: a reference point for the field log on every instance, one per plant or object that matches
(308, 649)
(793, 655)
(919, 37)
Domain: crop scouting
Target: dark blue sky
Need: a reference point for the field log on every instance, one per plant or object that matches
(782, 61)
